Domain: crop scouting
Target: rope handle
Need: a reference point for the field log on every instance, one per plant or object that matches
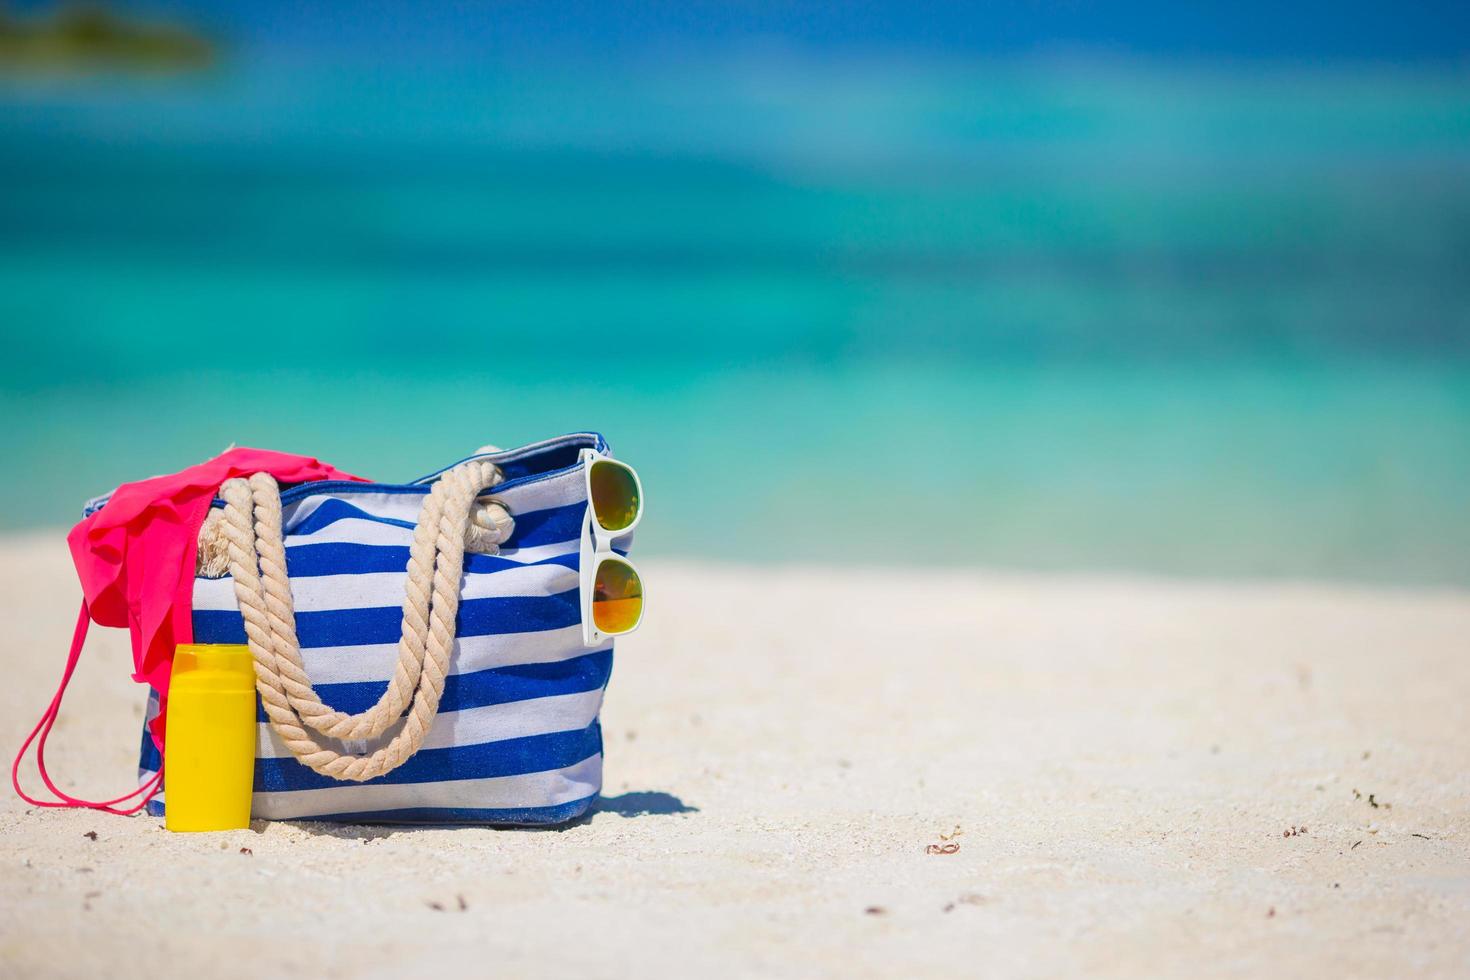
(451, 521)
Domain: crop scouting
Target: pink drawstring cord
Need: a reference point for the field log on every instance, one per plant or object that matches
(42, 731)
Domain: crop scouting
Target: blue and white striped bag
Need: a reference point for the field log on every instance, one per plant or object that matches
(516, 739)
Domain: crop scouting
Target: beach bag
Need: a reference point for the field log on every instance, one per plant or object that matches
(514, 737)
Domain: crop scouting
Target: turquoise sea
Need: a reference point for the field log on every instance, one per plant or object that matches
(1166, 318)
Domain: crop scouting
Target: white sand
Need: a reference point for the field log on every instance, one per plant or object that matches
(1121, 757)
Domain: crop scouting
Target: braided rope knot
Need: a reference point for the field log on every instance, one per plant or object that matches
(453, 520)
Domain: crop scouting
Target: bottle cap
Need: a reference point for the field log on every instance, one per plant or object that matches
(229, 657)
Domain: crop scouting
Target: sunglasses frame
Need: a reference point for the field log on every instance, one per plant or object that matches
(597, 548)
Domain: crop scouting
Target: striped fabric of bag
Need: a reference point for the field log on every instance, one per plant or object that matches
(517, 739)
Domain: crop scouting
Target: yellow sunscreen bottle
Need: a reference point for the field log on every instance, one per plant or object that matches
(209, 746)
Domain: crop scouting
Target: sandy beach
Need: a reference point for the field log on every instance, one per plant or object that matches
(1142, 777)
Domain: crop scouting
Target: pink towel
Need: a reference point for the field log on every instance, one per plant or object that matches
(135, 556)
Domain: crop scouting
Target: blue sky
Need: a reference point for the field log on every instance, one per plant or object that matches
(1314, 31)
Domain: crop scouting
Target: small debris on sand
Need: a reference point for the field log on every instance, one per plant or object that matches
(875, 910)
(247, 852)
(949, 848)
(90, 835)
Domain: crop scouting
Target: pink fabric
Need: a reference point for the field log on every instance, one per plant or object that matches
(135, 557)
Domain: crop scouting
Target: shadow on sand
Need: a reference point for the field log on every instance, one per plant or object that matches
(648, 803)
(644, 803)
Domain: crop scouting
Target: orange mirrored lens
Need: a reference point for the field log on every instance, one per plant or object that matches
(614, 495)
(617, 597)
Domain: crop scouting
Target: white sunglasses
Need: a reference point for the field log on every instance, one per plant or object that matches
(612, 589)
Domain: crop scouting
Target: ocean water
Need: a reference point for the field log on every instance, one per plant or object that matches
(1202, 320)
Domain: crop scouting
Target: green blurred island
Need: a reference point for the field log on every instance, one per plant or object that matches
(88, 37)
